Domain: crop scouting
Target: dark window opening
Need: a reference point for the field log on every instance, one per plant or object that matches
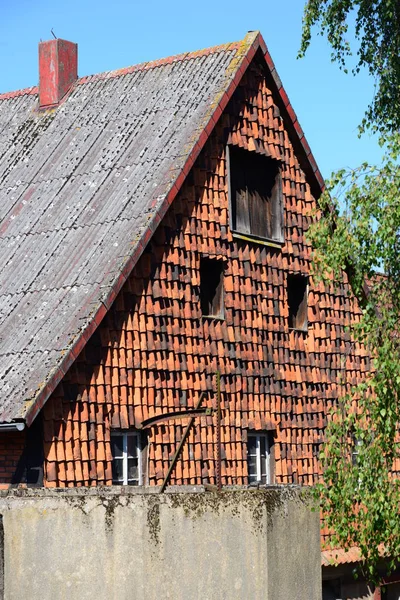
(30, 466)
(255, 194)
(331, 589)
(212, 287)
(297, 300)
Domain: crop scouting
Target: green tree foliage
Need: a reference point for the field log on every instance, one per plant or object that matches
(360, 497)
(375, 25)
(358, 237)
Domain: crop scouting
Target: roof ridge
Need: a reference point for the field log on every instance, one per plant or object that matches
(144, 66)
(153, 64)
(30, 91)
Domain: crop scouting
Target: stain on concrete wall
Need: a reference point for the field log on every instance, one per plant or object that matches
(93, 543)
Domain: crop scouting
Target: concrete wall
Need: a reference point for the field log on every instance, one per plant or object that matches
(125, 544)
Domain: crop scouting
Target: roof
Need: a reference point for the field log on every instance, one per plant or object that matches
(82, 189)
(340, 556)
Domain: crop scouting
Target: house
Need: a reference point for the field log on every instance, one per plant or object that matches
(156, 273)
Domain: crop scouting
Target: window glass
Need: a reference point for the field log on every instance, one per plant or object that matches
(252, 444)
(133, 470)
(117, 445)
(117, 470)
(133, 445)
(263, 458)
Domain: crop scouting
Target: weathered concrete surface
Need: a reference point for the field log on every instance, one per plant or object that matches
(119, 543)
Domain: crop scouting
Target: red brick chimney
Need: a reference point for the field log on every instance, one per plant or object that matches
(58, 70)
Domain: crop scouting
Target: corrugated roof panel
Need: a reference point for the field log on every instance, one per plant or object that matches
(13, 112)
(23, 375)
(31, 255)
(8, 302)
(23, 325)
(28, 207)
(70, 199)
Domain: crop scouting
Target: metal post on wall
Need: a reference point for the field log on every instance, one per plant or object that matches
(1, 558)
(218, 465)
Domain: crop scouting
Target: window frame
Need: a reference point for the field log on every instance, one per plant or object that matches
(268, 458)
(125, 457)
(274, 242)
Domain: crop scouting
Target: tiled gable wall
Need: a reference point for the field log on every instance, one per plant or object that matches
(154, 353)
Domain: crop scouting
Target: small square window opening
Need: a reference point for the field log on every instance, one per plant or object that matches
(258, 458)
(212, 287)
(127, 458)
(255, 188)
(297, 289)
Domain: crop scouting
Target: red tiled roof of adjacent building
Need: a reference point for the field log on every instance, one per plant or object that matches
(340, 556)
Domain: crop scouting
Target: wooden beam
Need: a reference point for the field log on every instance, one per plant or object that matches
(181, 443)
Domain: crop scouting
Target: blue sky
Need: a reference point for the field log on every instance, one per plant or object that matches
(115, 34)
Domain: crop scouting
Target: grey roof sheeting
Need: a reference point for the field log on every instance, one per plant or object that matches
(77, 185)
(82, 188)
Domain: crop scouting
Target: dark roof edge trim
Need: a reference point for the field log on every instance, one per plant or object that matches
(246, 50)
(144, 66)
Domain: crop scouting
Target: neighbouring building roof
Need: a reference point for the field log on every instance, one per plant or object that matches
(83, 187)
(340, 556)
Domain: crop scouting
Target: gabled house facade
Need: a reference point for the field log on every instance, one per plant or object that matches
(156, 274)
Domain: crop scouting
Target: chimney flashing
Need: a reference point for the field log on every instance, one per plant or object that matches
(58, 70)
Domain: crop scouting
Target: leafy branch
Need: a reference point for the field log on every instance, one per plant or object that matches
(360, 493)
(375, 27)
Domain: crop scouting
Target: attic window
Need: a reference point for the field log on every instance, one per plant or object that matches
(212, 287)
(297, 289)
(255, 195)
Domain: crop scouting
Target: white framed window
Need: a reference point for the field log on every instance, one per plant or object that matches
(355, 450)
(258, 458)
(127, 468)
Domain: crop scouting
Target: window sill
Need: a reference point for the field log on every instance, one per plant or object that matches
(258, 240)
(213, 317)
